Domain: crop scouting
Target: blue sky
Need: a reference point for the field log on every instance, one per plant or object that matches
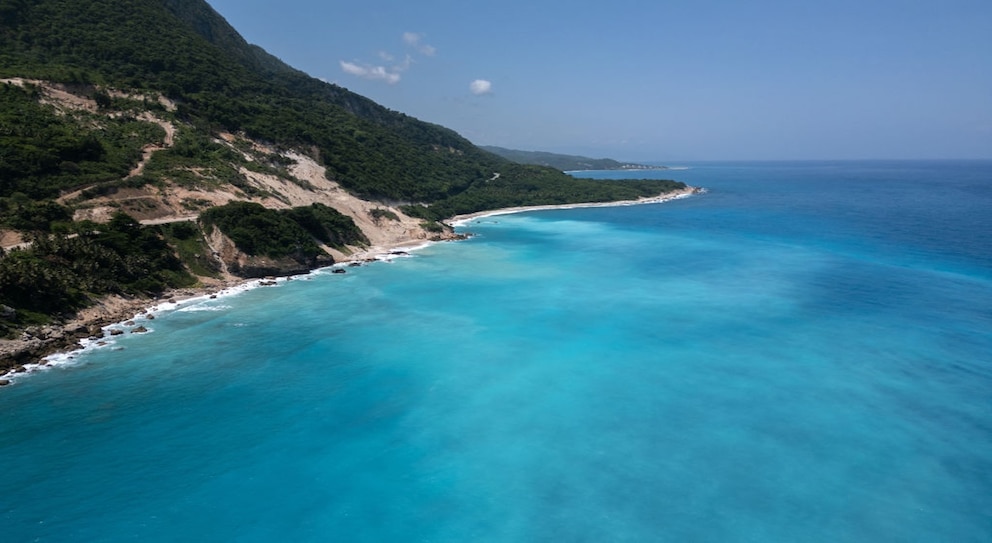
(657, 80)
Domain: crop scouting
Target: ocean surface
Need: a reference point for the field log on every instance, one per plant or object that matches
(803, 353)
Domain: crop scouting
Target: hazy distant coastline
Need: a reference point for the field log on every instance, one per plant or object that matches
(566, 163)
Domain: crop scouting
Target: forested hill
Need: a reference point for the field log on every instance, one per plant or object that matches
(118, 112)
(566, 163)
(186, 51)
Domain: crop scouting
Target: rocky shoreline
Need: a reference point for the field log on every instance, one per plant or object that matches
(38, 342)
(27, 352)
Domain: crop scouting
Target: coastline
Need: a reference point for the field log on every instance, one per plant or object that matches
(44, 347)
(461, 220)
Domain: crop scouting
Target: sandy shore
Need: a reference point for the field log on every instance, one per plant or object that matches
(459, 220)
(28, 353)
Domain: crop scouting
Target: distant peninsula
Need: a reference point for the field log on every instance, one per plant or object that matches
(565, 163)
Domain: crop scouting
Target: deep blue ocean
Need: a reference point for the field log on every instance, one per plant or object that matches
(803, 353)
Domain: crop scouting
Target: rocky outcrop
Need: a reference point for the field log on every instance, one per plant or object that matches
(37, 342)
(240, 264)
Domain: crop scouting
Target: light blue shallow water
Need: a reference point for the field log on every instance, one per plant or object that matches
(802, 354)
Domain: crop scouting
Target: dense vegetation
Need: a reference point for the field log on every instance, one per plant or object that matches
(59, 273)
(42, 152)
(187, 51)
(565, 163)
(278, 233)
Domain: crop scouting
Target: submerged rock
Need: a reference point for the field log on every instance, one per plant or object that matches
(139, 330)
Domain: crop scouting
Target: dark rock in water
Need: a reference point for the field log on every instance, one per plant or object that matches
(338, 270)
(95, 330)
(267, 283)
(101, 343)
(151, 317)
(354, 264)
(116, 332)
(213, 296)
(20, 369)
(4, 382)
(129, 323)
(399, 253)
(139, 330)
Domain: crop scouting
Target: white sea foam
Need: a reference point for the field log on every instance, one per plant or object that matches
(63, 359)
(203, 307)
(403, 252)
(141, 318)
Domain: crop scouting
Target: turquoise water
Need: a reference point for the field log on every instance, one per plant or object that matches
(804, 353)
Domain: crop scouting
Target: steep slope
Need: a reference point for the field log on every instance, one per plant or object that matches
(186, 51)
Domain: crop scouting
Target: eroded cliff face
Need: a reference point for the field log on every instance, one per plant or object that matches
(235, 262)
(275, 177)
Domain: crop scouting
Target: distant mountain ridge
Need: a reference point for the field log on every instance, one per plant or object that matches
(565, 163)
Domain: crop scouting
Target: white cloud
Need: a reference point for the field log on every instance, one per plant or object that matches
(414, 40)
(375, 73)
(480, 87)
(403, 66)
(390, 74)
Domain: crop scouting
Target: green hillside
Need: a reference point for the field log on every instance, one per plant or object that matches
(186, 51)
